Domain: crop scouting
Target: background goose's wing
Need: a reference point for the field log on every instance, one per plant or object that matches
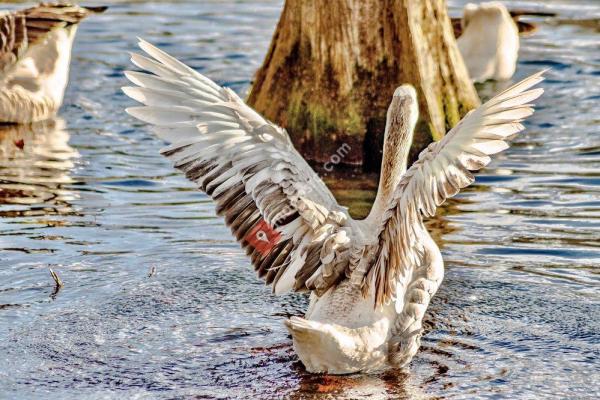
(13, 39)
(276, 206)
(440, 172)
(21, 29)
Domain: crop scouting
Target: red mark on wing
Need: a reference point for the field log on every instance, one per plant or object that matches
(263, 237)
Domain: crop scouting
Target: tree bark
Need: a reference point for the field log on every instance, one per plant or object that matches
(333, 66)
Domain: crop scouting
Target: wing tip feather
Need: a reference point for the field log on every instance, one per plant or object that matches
(134, 111)
(130, 75)
(133, 92)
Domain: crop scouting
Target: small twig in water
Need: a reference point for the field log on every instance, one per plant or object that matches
(56, 278)
(152, 271)
(57, 282)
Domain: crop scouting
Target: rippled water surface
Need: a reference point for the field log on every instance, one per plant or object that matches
(88, 196)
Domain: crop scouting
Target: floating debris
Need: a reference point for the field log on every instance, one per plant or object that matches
(58, 282)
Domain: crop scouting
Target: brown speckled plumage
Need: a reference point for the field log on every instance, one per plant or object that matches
(23, 28)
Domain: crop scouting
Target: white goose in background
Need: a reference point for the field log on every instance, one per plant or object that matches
(370, 281)
(35, 53)
(489, 42)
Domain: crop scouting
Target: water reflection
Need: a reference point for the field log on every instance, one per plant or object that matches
(35, 166)
(391, 385)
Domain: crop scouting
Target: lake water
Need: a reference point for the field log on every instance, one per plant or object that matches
(89, 196)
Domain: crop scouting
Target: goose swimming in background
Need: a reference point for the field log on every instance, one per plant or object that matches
(525, 28)
(371, 280)
(489, 42)
(35, 53)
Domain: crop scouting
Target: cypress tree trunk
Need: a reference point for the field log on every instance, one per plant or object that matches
(332, 68)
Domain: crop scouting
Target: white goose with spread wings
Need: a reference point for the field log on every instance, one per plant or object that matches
(370, 280)
(35, 53)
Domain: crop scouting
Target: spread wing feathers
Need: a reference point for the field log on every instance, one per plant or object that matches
(21, 29)
(251, 170)
(441, 171)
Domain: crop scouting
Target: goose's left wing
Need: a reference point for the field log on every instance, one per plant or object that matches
(275, 204)
(441, 171)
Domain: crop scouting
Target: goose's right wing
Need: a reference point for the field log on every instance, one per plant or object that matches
(440, 172)
(275, 204)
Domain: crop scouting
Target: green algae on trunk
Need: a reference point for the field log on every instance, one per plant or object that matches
(332, 68)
